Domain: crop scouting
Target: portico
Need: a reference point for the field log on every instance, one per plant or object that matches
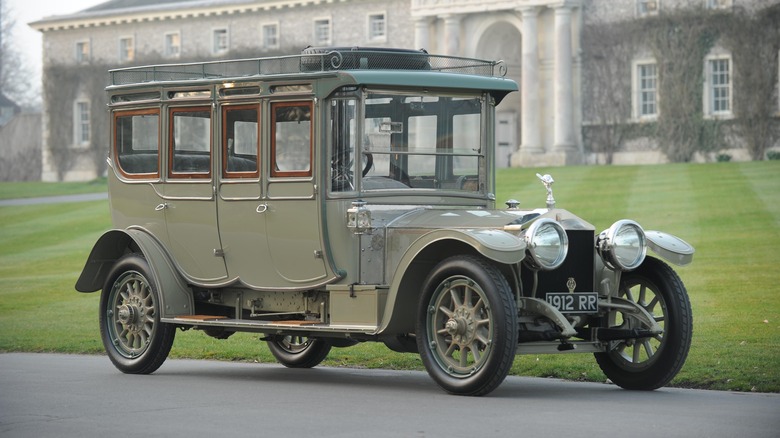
(545, 62)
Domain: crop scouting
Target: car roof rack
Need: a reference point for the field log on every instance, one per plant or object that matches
(311, 60)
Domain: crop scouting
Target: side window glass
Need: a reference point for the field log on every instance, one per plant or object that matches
(343, 138)
(291, 138)
(240, 129)
(190, 142)
(137, 143)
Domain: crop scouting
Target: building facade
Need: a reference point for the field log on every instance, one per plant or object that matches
(552, 48)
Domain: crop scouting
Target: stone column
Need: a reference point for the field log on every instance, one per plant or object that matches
(451, 35)
(563, 134)
(422, 28)
(529, 93)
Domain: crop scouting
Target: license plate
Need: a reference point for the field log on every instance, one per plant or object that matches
(580, 302)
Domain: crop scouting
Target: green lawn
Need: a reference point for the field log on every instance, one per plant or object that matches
(34, 189)
(729, 211)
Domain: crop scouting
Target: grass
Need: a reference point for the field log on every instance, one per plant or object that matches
(729, 211)
(12, 190)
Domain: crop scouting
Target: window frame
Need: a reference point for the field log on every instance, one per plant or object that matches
(83, 56)
(718, 4)
(240, 174)
(220, 50)
(275, 171)
(130, 113)
(371, 36)
(638, 92)
(647, 8)
(710, 86)
(315, 31)
(167, 47)
(80, 121)
(265, 43)
(173, 174)
(126, 52)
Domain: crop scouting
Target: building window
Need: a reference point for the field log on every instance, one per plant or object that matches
(646, 90)
(126, 49)
(717, 93)
(173, 44)
(220, 42)
(377, 27)
(270, 34)
(645, 8)
(82, 52)
(718, 4)
(81, 134)
(322, 31)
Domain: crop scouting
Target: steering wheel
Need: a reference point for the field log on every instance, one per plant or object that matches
(343, 175)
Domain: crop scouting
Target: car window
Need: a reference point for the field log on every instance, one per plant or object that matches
(291, 138)
(190, 142)
(240, 141)
(136, 142)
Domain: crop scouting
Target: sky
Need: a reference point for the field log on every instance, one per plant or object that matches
(26, 11)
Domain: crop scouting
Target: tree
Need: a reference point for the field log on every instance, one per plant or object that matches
(606, 109)
(680, 43)
(754, 44)
(15, 73)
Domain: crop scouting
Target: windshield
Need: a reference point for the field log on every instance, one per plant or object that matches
(408, 141)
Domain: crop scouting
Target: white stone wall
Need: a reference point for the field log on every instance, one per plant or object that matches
(618, 10)
(349, 27)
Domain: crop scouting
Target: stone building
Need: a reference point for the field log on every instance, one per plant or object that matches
(544, 44)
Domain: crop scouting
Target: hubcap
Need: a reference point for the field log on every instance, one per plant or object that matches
(131, 314)
(640, 353)
(460, 326)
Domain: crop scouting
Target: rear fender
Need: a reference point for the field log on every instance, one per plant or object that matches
(175, 295)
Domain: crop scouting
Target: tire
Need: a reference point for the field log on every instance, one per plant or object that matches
(650, 363)
(299, 351)
(467, 326)
(133, 336)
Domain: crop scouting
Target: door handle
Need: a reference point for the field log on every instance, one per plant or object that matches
(161, 207)
(262, 208)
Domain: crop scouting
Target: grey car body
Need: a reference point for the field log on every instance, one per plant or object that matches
(346, 195)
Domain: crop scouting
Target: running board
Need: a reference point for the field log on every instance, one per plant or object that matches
(267, 326)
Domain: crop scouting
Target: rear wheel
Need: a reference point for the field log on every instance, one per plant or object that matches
(650, 363)
(298, 351)
(133, 336)
(467, 326)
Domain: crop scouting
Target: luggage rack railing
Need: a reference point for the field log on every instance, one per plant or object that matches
(350, 59)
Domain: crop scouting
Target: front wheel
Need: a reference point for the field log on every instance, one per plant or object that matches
(133, 336)
(650, 363)
(298, 351)
(467, 326)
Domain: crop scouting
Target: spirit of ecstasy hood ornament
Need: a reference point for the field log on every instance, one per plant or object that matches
(548, 181)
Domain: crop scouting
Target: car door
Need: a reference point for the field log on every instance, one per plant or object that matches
(190, 202)
(292, 217)
(241, 206)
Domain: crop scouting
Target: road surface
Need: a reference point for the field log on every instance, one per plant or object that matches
(49, 395)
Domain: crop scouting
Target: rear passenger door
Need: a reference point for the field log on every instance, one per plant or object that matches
(190, 202)
(241, 206)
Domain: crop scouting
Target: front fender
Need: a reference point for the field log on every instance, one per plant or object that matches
(671, 248)
(410, 272)
(176, 297)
